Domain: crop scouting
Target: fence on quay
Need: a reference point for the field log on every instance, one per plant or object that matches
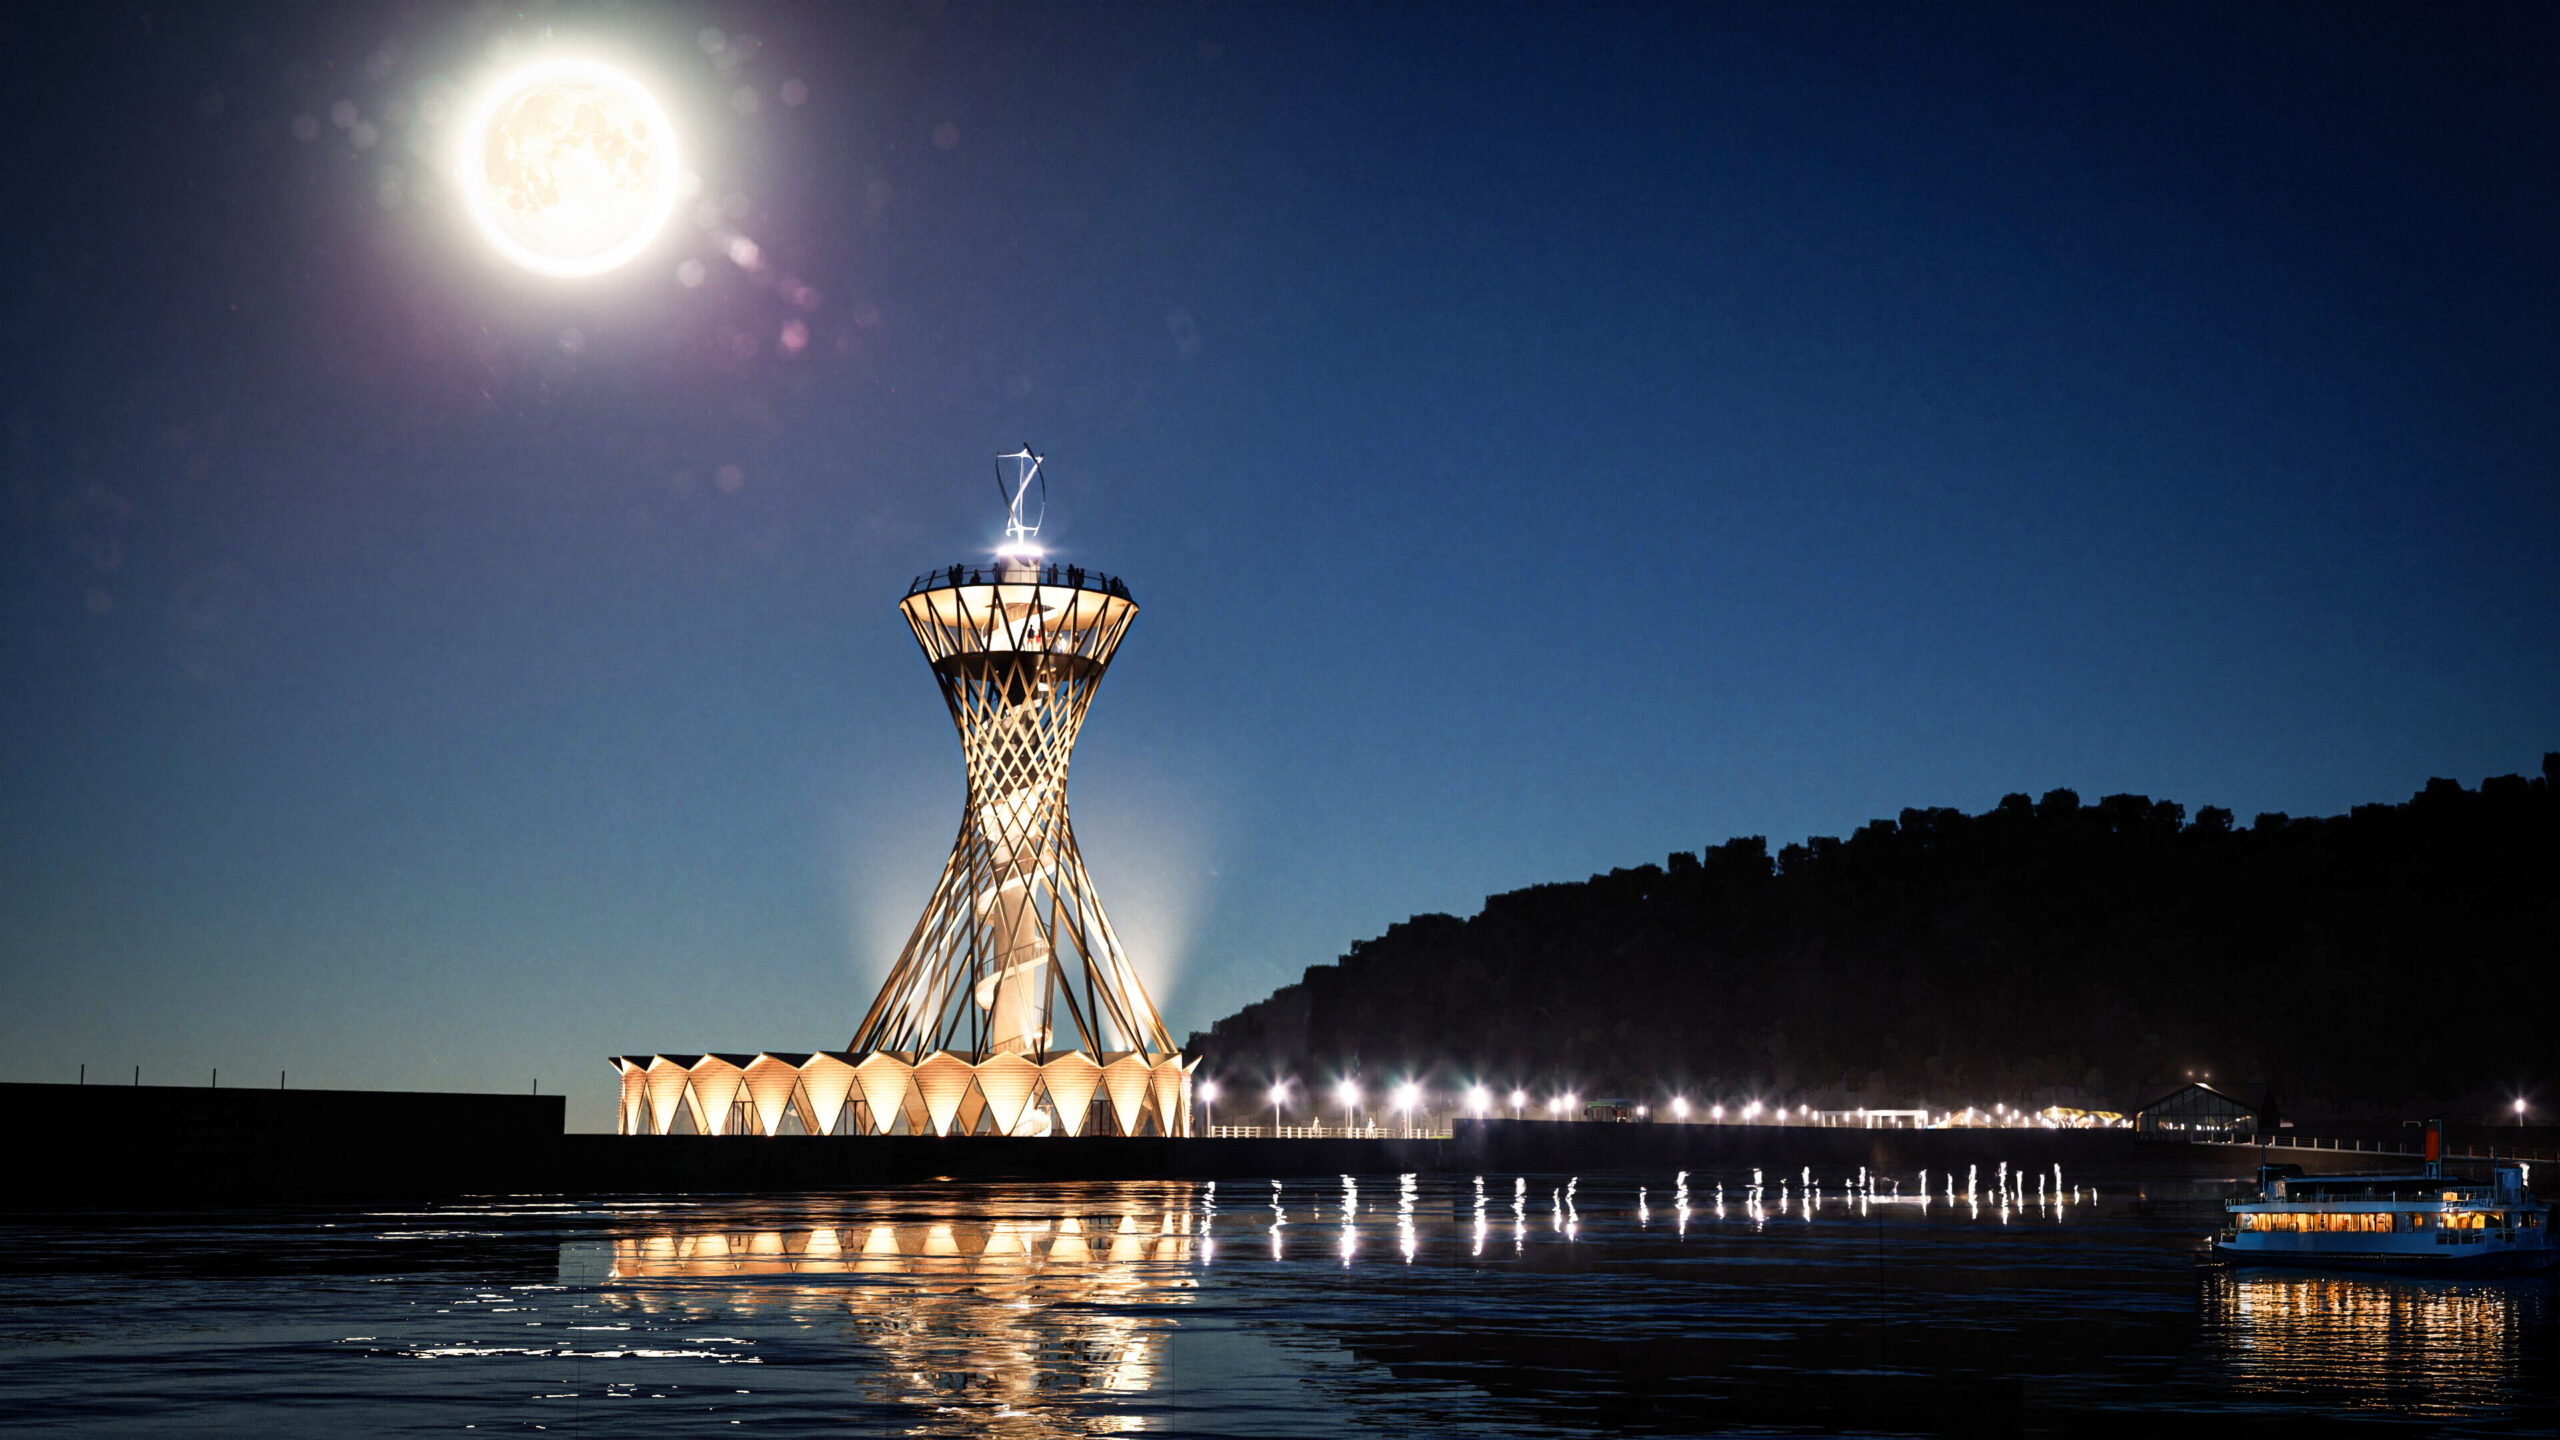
(2336, 1144)
(1418, 1131)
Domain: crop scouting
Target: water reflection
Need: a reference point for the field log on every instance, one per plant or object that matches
(2414, 1347)
(1022, 1325)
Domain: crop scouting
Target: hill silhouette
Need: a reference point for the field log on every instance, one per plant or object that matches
(2043, 951)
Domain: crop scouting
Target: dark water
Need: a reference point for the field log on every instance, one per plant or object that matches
(1102, 1309)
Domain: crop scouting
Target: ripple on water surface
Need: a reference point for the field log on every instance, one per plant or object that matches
(1366, 1304)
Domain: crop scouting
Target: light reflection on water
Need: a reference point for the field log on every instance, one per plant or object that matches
(1014, 1322)
(2418, 1347)
(1406, 1305)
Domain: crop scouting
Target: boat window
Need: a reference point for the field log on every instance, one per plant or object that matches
(2330, 1223)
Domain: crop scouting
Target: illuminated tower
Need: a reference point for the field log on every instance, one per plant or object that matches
(1013, 1009)
(1014, 953)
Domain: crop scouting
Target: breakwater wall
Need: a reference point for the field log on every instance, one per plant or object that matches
(606, 1164)
(610, 1164)
(613, 1164)
(155, 1147)
(97, 1148)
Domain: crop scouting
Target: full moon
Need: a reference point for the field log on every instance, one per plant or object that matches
(569, 168)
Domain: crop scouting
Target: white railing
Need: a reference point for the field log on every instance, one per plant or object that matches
(1324, 1132)
(2379, 1147)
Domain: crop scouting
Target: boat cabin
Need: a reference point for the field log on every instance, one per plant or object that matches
(2397, 1218)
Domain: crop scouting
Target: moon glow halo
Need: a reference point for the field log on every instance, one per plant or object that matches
(569, 168)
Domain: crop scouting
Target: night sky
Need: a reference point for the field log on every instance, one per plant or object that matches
(1540, 437)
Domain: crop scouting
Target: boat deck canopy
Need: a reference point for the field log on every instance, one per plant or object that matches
(2378, 1187)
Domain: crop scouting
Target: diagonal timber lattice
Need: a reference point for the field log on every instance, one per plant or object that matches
(1013, 954)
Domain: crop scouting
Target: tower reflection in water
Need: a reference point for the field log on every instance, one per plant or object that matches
(1029, 1323)
(2411, 1347)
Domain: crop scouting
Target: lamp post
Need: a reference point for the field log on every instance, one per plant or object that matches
(1477, 1100)
(1406, 1095)
(1208, 1099)
(1679, 1108)
(2519, 1112)
(1348, 1092)
(1279, 1097)
(1518, 1099)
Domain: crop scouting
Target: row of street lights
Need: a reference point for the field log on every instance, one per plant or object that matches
(1407, 1095)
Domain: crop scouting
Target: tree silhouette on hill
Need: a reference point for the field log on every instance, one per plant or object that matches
(2045, 949)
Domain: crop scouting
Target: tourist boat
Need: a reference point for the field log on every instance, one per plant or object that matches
(2423, 1222)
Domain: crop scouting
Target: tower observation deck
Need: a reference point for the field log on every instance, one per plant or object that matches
(1013, 1008)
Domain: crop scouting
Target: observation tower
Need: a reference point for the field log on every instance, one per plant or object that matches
(1013, 1008)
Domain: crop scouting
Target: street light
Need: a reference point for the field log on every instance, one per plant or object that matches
(1279, 1097)
(1478, 1099)
(1208, 1098)
(1679, 1108)
(1518, 1099)
(2519, 1112)
(1715, 1112)
(1348, 1092)
(1406, 1095)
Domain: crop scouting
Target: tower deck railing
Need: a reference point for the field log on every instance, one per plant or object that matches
(1070, 577)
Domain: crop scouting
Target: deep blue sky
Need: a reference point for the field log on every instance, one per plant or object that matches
(1541, 438)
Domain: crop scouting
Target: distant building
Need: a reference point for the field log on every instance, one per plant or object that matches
(2196, 1112)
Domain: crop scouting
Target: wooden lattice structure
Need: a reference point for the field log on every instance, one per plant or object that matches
(1013, 1009)
(1014, 940)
